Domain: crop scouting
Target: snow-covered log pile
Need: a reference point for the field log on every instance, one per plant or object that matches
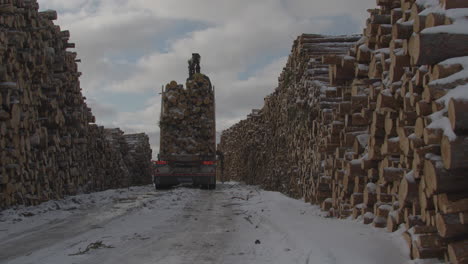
(385, 139)
(48, 148)
(273, 147)
(187, 120)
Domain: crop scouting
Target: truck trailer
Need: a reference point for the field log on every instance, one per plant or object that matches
(187, 150)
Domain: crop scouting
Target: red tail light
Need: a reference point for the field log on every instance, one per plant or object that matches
(208, 163)
(161, 162)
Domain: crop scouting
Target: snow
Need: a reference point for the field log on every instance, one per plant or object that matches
(369, 215)
(364, 48)
(384, 50)
(461, 75)
(459, 26)
(399, 52)
(386, 207)
(444, 124)
(432, 9)
(371, 187)
(433, 157)
(410, 177)
(186, 225)
(362, 40)
(324, 89)
(458, 16)
(363, 139)
(427, 3)
(386, 92)
(361, 206)
(8, 84)
(461, 92)
(363, 67)
(408, 23)
(457, 13)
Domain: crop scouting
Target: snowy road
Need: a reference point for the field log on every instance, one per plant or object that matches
(233, 224)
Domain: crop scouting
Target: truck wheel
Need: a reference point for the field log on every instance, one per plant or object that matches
(212, 186)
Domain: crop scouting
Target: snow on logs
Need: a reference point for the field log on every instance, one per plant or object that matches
(384, 139)
(49, 144)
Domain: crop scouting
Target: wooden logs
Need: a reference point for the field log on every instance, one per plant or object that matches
(449, 226)
(187, 119)
(464, 218)
(440, 180)
(449, 4)
(379, 144)
(422, 46)
(452, 203)
(455, 152)
(49, 144)
(458, 114)
(458, 252)
(138, 158)
(408, 190)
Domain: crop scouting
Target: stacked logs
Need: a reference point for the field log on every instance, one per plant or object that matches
(48, 148)
(138, 158)
(273, 146)
(385, 140)
(187, 118)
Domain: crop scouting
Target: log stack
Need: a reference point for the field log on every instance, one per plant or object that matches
(49, 146)
(138, 158)
(276, 140)
(187, 119)
(384, 138)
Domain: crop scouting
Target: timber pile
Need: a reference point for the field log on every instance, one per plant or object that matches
(187, 119)
(275, 142)
(386, 139)
(48, 148)
(138, 158)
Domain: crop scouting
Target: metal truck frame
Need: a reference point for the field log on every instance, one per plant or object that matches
(174, 169)
(177, 169)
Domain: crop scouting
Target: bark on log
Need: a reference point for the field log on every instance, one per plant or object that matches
(458, 114)
(458, 252)
(449, 226)
(455, 153)
(427, 48)
(449, 4)
(441, 180)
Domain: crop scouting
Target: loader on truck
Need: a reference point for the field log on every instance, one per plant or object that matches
(187, 150)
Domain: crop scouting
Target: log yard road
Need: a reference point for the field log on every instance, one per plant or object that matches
(235, 223)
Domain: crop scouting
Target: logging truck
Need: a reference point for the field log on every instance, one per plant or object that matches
(187, 150)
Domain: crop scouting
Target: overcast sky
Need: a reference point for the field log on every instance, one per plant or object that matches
(130, 48)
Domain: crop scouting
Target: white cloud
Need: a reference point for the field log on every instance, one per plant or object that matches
(135, 46)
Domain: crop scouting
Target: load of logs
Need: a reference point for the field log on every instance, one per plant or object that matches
(384, 138)
(187, 118)
(49, 146)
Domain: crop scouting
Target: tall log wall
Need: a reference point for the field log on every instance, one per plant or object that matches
(49, 146)
(376, 131)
